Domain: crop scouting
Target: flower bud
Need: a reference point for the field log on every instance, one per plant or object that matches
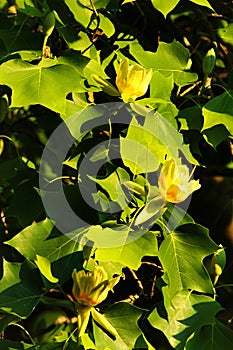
(132, 80)
(208, 62)
(216, 264)
(49, 24)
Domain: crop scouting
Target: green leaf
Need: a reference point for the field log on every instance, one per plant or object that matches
(75, 60)
(16, 40)
(145, 146)
(161, 86)
(203, 3)
(7, 319)
(216, 134)
(20, 288)
(136, 154)
(73, 108)
(25, 193)
(124, 318)
(6, 344)
(165, 108)
(75, 40)
(27, 7)
(101, 4)
(35, 240)
(111, 268)
(126, 1)
(173, 217)
(141, 150)
(164, 6)
(226, 34)
(105, 24)
(181, 255)
(39, 80)
(113, 185)
(24, 3)
(186, 313)
(9, 168)
(102, 321)
(63, 267)
(72, 162)
(130, 254)
(119, 247)
(13, 345)
(87, 342)
(3, 3)
(191, 118)
(150, 212)
(161, 60)
(219, 111)
(81, 10)
(44, 266)
(215, 336)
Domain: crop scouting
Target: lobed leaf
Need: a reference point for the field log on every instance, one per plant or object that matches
(161, 60)
(22, 77)
(186, 313)
(181, 255)
(20, 288)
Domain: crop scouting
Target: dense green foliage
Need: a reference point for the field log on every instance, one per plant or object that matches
(137, 93)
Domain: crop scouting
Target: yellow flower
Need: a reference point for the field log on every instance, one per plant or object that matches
(92, 287)
(174, 182)
(132, 81)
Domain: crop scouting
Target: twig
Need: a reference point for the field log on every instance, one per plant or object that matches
(135, 277)
(94, 9)
(153, 264)
(190, 88)
(131, 299)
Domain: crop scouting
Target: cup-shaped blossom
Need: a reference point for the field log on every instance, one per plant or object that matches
(91, 288)
(174, 182)
(132, 81)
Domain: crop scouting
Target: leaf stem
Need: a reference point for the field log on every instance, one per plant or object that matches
(24, 329)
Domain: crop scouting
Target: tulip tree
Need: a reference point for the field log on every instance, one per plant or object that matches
(114, 115)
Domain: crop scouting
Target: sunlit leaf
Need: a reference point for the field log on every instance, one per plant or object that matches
(164, 6)
(118, 245)
(219, 111)
(203, 3)
(81, 10)
(161, 60)
(23, 77)
(124, 318)
(181, 255)
(113, 184)
(35, 240)
(45, 268)
(186, 312)
(226, 33)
